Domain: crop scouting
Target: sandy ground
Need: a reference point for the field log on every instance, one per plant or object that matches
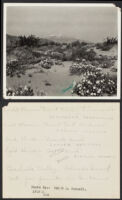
(58, 76)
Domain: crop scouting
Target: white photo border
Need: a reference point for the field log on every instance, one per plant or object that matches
(118, 96)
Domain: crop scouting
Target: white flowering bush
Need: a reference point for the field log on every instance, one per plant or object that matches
(83, 68)
(20, 91)
(46, 63)
(95, 84)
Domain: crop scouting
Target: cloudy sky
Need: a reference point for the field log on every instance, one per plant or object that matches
(85, 23)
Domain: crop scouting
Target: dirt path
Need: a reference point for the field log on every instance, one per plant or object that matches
(58, 77)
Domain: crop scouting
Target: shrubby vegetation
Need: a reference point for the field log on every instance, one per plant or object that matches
(30, 50)
(15, 68)
(112, 40)
(29, 41)
(20, 91)
(107, 44)
(83, 68)
(26, 90)
(95, 83)
(62, 51)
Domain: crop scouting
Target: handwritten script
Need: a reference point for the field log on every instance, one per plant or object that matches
(61, 150)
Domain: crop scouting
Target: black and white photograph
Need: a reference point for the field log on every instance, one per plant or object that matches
(55, 51)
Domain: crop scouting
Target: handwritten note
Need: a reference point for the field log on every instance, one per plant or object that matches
(61, 150)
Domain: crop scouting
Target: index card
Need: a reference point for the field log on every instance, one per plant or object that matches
(61, 150)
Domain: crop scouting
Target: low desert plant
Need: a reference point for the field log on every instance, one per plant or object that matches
(96, 84)
(107, 44)
(20, 91)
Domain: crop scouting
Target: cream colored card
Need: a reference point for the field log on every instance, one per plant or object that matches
(61, 150)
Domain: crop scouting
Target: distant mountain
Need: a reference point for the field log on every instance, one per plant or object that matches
(61, 39)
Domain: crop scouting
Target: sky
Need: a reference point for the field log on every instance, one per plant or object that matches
(84, 23)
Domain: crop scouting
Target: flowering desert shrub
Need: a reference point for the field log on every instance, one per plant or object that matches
(20, 91)
(96, 84)
(83, 68)
(46, 63)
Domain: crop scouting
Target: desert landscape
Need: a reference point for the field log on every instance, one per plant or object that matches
(62, 50)
(60, 67)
